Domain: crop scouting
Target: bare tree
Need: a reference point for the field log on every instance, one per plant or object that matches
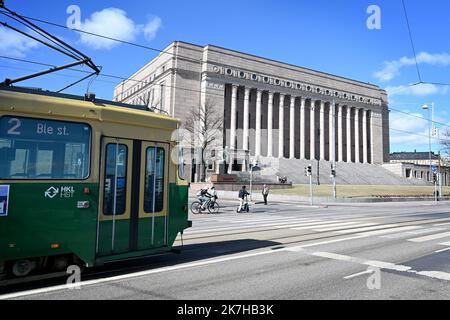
(445, 142)
(205, 126)
(147, 100)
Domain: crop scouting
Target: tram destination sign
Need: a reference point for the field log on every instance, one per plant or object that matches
(43, 129)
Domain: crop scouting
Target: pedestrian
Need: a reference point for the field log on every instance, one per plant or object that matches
(265, 193)
(242, 194)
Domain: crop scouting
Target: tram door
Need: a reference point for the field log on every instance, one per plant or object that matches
(133, 198)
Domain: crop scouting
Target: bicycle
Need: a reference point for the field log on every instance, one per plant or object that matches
(212, 207)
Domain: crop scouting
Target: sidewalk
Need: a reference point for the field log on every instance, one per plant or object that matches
(257, 197)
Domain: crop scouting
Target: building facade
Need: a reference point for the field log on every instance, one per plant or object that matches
(269, 108)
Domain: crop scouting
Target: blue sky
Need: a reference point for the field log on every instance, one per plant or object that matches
(326, 35)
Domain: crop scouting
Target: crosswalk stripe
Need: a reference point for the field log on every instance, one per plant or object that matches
(368, 228)
(445, 244)
(315, 226)
(310, 223)
(229, 228)
(419, 231)
(380, 232)
(431, 237)
(346, 226)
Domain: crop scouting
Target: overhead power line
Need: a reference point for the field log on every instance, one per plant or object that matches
(411, 40)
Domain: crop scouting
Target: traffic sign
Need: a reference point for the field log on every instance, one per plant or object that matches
(434, 168)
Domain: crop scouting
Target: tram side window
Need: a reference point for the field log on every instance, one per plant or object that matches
(43, 149)
(154, 180)
(115, 184)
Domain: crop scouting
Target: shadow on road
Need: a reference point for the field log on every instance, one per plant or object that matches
(188, 253)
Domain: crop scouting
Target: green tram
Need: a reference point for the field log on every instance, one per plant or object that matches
(84, 181)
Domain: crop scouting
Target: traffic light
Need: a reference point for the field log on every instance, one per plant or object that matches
(434, 177)
(333, 173)
(308, 170)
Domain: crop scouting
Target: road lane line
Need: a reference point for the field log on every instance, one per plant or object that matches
(137, 274)
(371, 263)
(358, 274)
(442, 250)
(430, 237)
(301, 247)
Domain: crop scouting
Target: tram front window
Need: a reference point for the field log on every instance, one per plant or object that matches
(43, 149)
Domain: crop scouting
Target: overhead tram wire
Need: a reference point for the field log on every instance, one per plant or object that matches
(196, 61)
(201, 60)
(411, 40)
(111, 39)
(221, 95)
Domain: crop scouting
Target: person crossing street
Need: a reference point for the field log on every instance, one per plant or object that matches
(265, 193)
(242, 196)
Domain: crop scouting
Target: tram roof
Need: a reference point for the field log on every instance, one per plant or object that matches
(78, 104)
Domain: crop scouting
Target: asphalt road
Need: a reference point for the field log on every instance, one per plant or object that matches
(288, 251)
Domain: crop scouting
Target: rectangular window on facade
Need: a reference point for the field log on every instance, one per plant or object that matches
(44, 149)
(162, 96)
(115, 183)
(154, 180)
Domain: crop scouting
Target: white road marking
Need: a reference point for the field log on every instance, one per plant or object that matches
(435, 275)
(231, 228)
(369, 228)
(442, 224)
(329, 224)
(136, 274)
(380, 232)
(442, 250)
(300, 248)
(431, 237)
(343, 226)
(371, 263)
(422, 231)
(319, 222)
(358, 274)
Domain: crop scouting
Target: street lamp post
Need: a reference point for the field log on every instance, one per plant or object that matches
(430, 121)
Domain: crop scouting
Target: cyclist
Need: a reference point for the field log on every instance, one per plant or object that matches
(204, 197)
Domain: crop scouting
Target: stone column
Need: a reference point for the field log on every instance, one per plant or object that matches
(302, 130)
(349, 134)
(245, 133)
(365, 146)
(312, 153)
(281, 128)
(331, 133)
(233, 117)
(258, 124)
(357, 156)
(246, 117)
(340, 134)
(292, 129)
(322, 130)
(232, 127)
(270, 126)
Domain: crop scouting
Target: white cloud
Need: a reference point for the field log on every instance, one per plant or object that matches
(151, 28)
(15, 44)
(392, 68)
(421, 90)
(408, 131)
(114, 23)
